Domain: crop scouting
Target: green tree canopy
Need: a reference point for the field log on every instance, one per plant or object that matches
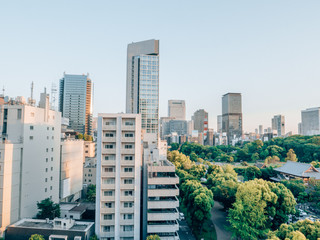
(153, 237)
(291, 156)
(91, 193)
(251, 173)
(36, 237)
(48, 209)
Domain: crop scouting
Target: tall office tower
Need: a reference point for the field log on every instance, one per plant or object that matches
(75, 102)
(310, 121)
(143, 83)
(29, 158)
(299, 128)
(260, 129)
(232, 116)
(164, 126)
(177, 109)
(118, 176)
(219, 123)
(200, 119)
(278, 124)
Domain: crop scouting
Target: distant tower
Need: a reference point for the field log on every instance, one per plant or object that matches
(54, 90)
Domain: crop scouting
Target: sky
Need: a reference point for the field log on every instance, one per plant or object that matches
(267, 50)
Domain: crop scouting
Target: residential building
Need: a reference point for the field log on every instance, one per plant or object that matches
(177, 109)
(75, 102)
(232, 116)
(59, 228)
(278, 124)
(118, 176)
(200, 120)
(30, 158)
(89, 171)
(71, 175)
(310, 121)
(74, 210)
(143, 83)
(89, 149)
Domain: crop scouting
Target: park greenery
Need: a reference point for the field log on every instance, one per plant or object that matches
(48, 209)
(153, 237)
(257, 208)
(91, 193)
(36, 237)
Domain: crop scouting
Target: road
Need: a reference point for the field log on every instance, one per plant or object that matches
(219, 217)
(185, 231)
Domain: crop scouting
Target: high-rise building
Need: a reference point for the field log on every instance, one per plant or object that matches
(177, 109)
(29, 158)
(261, 130)
(118, 176)
(164, 126)
(143, 83)
(299, 128)
(310, 121)
(278, 124)
(200, 120)
(75, 102)
(232, 116)
(219, 123)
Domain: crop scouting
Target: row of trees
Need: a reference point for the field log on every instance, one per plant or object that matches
(305, 148)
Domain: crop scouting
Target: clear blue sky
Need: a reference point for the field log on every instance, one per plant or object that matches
(267, 50)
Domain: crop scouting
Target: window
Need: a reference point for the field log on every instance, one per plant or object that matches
(46, 169)
(107, 217)
(128, 146)
(107, 228)
(128, 204)
(109, 146)
(128, 193)
(107, 193)
(129, 123)
(51, 178)
(51, 149)
(127, 216)
(45, 190)
(19, 114)
(50, 187)
(128, 181)
(47, 149)
(109, 157)
(86, 151)
(52, 128)
(108, 181)
(108, 134)
(46, 180)
(51, 159)
(51, 168)
(110, 169)
(108, 205)
(128, 169)
(31, 137)
(110, 123)
(31, 127)
(128, 135)
(32, 114)
(128, 158)
(127, 228)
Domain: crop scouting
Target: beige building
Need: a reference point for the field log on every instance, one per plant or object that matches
(118, 177)
(71, 176)
(30, 158)
(89, 149)
(177, 109)
(89, 172)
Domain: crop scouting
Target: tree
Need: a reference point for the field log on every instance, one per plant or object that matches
(260, 206)
(174, 146)
(91, 193)
(295, 186)
(36, 237)
(198, 171)
(79, 136)
(153, 237)
(255, 157)
(87, 137)
(251, 173)
(94, 237)
(291, 156)
(48, 209)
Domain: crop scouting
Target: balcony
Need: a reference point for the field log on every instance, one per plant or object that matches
(127, 151)
(126, 221)
(106, 222)
(108, 163)
(107, 198)
(163, 192)
(108, 186)
(127, 186)
(163, 227)
(108, 151)
(128, 139)
(127, 174)
(107, 234)
(163, 215)
(108, 174)
(106, 210)
(163, 180)
(127, 162)
(163, 204)
(109, 127)
(108, 139)
(126, 210)
(127, 198)
(128, 127)
(126, 234)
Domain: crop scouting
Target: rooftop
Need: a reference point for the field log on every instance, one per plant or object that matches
(299, 169)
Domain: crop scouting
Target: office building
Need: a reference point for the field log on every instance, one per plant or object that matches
(178, 126)
(300, 128)
(75, 102)
(177, 109)
(164, 126)
(278, 124)
(30, 158)
(59, 228)
(71, 173)
(200, 121)
(219, 123)
(143, 83)
(310, 121)
(261, 130)
(118, 176)
(232, 116)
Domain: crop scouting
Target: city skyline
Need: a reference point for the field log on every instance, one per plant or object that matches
(258, 60)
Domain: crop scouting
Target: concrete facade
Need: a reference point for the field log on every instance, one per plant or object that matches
(118, 176)
(200, 120)
(177, 109)
(278, 124)
(310, 121)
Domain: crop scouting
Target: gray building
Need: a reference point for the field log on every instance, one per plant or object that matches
(200, 119)
(219, 123)
(164, 126)
(75, 102)
(177, 109)
(310, 121)
(278, 124)
(232, 116)
(178, 126)
(143, 83)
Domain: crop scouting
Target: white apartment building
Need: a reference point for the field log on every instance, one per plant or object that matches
(118, 177)
(30, 158)
(71, 176)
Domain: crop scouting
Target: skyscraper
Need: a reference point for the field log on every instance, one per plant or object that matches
(200, 119)
(232, 115)
(219, 123)
(177, 109)
(75, 102)
(278, 124)
(143, 83)
(310, 121)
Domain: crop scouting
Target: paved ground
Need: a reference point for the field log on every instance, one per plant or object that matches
(218, 217)
(185, 231)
